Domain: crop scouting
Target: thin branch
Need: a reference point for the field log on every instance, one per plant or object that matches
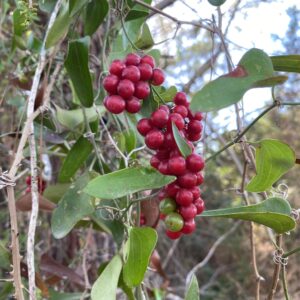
(284, 283)
(161, 5)
(287, 254)
(212, 250)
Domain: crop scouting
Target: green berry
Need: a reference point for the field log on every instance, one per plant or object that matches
(174, 222)
(167, 206)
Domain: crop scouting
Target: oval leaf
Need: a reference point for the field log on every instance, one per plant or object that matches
(96, 12)
(193, 290)
(140, 244)
(255, 69)
(181, 142)
(127, 181)
(75, 158)
(105, 287)
(75, 6)
(287, 63)
(273, 213)
(73, 206)
(273, 159)
(77, 67)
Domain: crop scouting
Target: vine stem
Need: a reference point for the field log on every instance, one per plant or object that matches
(284, 283)
(287, 254)
(28, 132)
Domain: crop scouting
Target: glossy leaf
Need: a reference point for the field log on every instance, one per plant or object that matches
(127, 181)
(105, 287)
(137, 11)
(75, 6)
(255, 69)
(145, 40)
(75, 159)
(140, 244)
(77, 67)
(96, 12)
(193, 292)
(133, 31)
(286, 63)
(74, 205)
(59, 29)
(273, 159)
(72, 118)
(181, 142)
(273, 213)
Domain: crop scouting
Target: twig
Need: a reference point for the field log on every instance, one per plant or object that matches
(170, 253)
(287, 254)
(211, 251)
(276, 272)
(284, 283)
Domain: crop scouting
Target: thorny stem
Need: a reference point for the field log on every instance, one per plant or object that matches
(276, 272)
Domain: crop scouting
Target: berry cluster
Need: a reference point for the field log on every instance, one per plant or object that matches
(129, 83)
(41, 185)
(181, 200)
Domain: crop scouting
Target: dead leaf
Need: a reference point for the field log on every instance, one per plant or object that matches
(24, 203)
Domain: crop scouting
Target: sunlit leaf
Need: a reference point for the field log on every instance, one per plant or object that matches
(193, 292)
(286, 63)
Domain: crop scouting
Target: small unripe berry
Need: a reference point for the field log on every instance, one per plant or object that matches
(167, 206)
(174, 222)
(131, 73)
(114, 104)
(116, 67)
(158, 77)
(154, 139)
(126, 88)
(110, 83)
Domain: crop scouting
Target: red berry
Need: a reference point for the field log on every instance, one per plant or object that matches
(189, 226)
(173, 235)
(177, 119)
(162, 194)
(172, 189)
(116, 67)
(188, 212)
(147, 59)
(200, 178)
(180, 99)
(175, 153)
(114, 104)
(132, 59)
(198, 116)
(196, 192)
(131, 73)
(142, 90)
(184, 197)
(133, 105)
(169, 141)
(187, 180)
(162, 154)
(199, 203)
(163, 167)
(28, 180)
(154, 161)
(154, 139)
(144, 126)
(195, 127)
(110, 83)
(194, 137)
(177, 165)
(28, 190)
(145, 71)
(182, 110)
(195, 163)
(159, 118)
(165, 108)
(158, 77)
(162, 216)
(126, 88)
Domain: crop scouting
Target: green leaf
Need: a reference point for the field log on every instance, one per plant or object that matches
(273, 213)
(96, 12)
(145, 40)
(54, 295)
(255, 69)
(75, 6)
(133, 31)
(75, 158)
(140, 244)
(273, 159)
(47, 5)
(286, 63)
(5, 257)
(126, 140)
(72, 118)
(166, 94)
(74, 205)
(77, 67)
(137, 11)
(181, 142)
(126, 181)
(56, 191)
(193, 290)
(105, 287)
(59, 29)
